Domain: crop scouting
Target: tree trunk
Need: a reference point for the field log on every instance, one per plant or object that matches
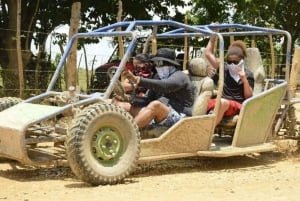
(272, 56)
(120, 38)
(10, 72)
(86, 67)
(71, 72)
(31, 23)
(19, 53)
(39, 75)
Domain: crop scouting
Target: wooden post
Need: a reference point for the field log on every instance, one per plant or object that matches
(72, 58)
(120, 38)
(253, 44)
(86, 68)
(19, 53)
(154, 41)
(231, 36)
(272, 56)
(295, 72)
(186, 49)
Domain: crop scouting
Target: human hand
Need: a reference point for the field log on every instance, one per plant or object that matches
(215, 29)
(213, 37)
(211, 71)
(127, 85)
(130, 76)
(242, 75)
(117, 98)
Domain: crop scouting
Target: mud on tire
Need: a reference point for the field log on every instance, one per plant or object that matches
(103, 144)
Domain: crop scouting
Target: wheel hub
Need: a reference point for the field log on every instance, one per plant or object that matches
(106, 144)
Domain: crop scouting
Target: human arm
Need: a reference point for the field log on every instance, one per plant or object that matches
(175, 82)
(127, 85)
(247, 81)
(209, 52)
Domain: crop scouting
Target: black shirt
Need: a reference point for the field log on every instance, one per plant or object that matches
(234, 90)
(176, 90)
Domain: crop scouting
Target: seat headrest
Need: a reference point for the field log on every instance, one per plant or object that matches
(197, 67)
(253, 61)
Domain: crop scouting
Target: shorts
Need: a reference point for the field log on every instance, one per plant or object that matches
(234, 107)
(171, 119)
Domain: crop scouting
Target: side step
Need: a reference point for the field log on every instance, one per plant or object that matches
(226, 151)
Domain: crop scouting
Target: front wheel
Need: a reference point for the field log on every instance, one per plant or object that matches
(103, 144)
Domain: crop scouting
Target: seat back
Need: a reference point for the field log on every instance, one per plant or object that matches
(253, 62)
(203, 85)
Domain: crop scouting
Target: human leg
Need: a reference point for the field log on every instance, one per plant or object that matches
(171, 119)
(127, 106)
(227, 108)
(223, 108)
(155, 110)
(234, 108)
(124, 105)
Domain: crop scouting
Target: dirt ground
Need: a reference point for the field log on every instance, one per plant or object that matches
(267, 176)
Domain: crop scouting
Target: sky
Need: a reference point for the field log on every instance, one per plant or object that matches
(101, 51)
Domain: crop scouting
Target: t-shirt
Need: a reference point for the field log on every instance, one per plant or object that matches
(176, 90)
(234, 90)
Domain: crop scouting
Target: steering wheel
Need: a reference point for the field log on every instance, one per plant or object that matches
(119, 91)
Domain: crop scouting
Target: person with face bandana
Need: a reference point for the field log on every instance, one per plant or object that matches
(238, 81)
(170, 92)
(144, 67)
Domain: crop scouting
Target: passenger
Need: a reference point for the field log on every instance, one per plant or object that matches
(238, 81)
(143, 67)
(170, 94)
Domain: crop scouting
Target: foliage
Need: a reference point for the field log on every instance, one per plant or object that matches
(281, 14)
(41, 17)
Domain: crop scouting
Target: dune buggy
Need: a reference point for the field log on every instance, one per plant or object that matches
(102, 143)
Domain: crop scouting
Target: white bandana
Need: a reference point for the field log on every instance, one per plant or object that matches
(165, 71)
(234, 70)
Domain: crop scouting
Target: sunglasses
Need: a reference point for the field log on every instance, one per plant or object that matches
(233, 62)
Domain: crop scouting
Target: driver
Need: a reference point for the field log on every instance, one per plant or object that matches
(169, 95)
(143, 67)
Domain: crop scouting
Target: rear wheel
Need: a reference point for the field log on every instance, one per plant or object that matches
(103, 144)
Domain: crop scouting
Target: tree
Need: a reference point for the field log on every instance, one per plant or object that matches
(287, 14)
(281, 14)
(72, 59)
(18, 47)
(34, 27)
(40, 17)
